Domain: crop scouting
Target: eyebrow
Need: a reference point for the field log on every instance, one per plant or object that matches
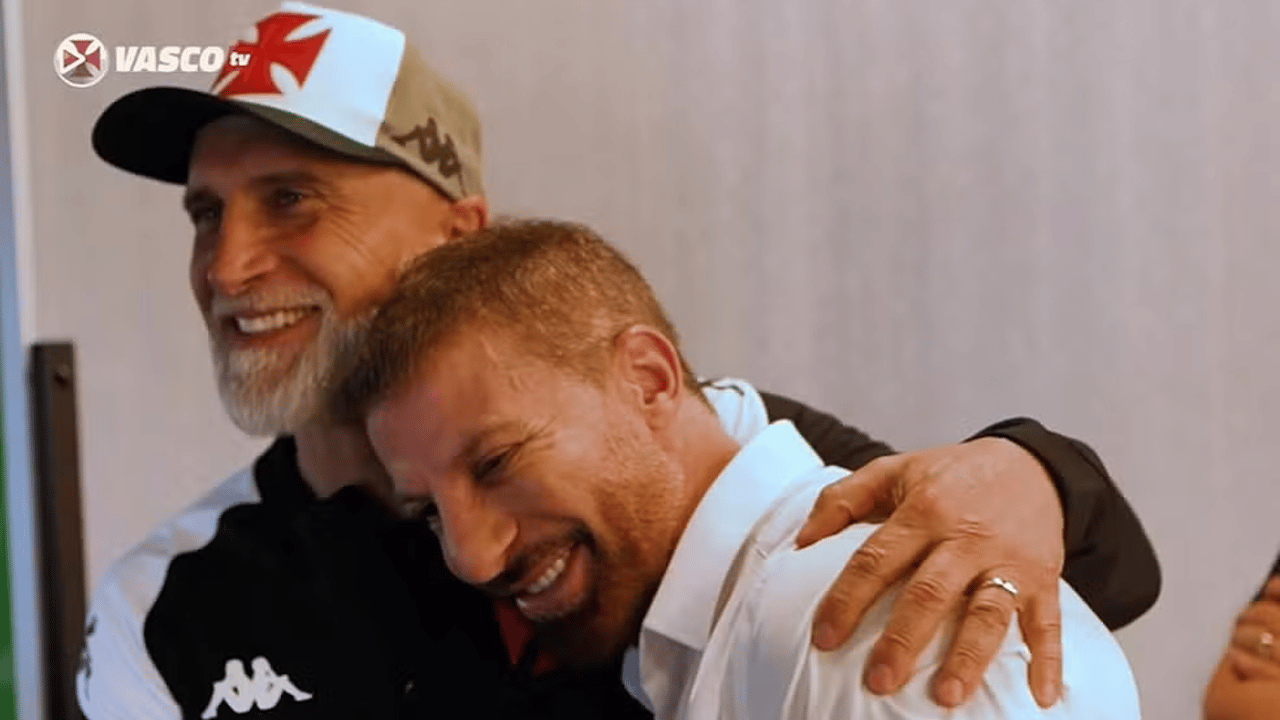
(202, 193)
(196, 196)
(471, 450)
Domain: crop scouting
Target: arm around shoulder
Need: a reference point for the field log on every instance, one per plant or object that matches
(1110, 561)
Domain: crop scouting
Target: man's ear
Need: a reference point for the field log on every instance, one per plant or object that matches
(649, 366)
(468, 215)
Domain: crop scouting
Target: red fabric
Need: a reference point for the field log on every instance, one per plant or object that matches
(516, 632)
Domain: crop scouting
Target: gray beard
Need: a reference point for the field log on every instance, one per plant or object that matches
(269, 392)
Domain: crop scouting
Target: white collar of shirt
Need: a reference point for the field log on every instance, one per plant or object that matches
(688, 601)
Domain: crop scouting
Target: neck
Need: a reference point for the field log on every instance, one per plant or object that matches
(705, 449)
(331, 457)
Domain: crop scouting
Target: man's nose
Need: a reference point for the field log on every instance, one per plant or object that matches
(240, 255)
(476, 540)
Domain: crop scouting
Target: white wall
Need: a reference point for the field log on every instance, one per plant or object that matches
(923, 216)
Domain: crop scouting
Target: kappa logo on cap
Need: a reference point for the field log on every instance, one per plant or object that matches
(249, 63)
(430, 148)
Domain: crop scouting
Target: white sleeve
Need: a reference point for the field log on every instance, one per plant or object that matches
(779, 668)
(116, 679)
(740, 408)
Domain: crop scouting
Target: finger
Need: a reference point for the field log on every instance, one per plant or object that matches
(1259, 643)
(1041, 624)
(927, 598)
(1248, 666)
(1271, 591)
(982, 630)
(1264, 613)
(848, 500)
(880, 562)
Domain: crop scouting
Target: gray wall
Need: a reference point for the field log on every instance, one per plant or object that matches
(922, 216)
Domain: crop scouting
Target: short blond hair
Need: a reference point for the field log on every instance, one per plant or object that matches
(561, 290)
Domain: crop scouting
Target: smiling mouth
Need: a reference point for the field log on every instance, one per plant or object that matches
(546, 598)
(253, 325)
(551, 574)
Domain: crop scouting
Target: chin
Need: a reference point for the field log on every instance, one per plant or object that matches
(271, 392)
(590, 638)
(278, 410)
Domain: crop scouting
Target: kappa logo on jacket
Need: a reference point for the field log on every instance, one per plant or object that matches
(242, 693)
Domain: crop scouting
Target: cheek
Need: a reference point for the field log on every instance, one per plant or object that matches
(639, 493)
(595, 470)
(534, 499)
(198, 277)
(354, 271)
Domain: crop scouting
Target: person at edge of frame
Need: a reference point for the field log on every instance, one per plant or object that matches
(1246, 682)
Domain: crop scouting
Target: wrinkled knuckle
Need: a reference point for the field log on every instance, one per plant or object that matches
(966, 659)
(903, 463)
(884, 463)
(990, 615)
(928, 592)
(1049, 625)
(1050, 653)
(836, 604)
(976, 528)
(930, 500)
(867, 561)
(930, 492)
(894, 642)
(831, 495)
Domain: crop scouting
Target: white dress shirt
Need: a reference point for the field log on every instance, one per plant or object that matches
(727, 634)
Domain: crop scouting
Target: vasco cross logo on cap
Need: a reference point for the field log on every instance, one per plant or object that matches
(249, 63)
(80, 60)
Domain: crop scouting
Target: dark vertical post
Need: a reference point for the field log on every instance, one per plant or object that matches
(57, 466)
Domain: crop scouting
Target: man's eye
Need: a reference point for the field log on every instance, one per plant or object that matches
(203, 217)
(426, 512)
(486, 469)
(282, 198)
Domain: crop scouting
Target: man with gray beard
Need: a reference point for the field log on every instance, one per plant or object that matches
(312, 175)
(264, 389)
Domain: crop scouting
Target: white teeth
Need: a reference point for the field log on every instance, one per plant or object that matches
(550, 575)
(538, 601)
(270, 322)
(536, 616)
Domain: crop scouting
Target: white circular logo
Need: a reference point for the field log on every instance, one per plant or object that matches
(80, 60)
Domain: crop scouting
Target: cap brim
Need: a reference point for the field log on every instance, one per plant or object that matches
(151, 132)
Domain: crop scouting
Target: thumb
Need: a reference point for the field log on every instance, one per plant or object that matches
(851, 499)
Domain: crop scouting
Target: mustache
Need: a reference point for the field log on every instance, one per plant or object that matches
(517, 571)
(223, 305)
